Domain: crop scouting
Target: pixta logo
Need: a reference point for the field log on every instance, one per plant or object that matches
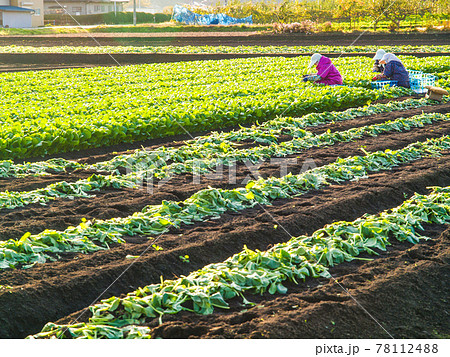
(154, 173)
(349, 350)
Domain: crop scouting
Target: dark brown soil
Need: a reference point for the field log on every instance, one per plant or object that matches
(380, 118)
(42, 61)
(61, 213)
(402, 294)
(13, 62)
(389, 288)
(107, 152)
(227, 39)
(50, 291)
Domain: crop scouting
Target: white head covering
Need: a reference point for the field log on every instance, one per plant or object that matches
(315, 58)
(379, 55)
(388, 57)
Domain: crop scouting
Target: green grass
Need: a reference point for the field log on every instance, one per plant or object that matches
(39, 31)
(140, 28)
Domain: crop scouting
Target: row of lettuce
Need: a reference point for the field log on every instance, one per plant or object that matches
(205, 159)
(223, 49)
(94, 235)
(256, 272)
(108, 106)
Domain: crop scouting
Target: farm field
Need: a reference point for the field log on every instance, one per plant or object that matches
(44, 56)
(227, 199)
(224, 49)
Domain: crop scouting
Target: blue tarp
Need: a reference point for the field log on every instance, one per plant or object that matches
(182, 14)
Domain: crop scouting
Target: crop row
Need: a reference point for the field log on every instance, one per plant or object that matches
(90, 236)
(114, 105)
(221, 49)
(204, 146)
(443, 80)
(149, 122)
(221, 144)
(257, 271)
(163, 81)
(150, 166)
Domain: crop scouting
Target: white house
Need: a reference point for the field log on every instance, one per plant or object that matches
(83, 7)
(21, 14)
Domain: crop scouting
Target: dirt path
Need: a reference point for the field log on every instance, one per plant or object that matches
(44, 61)
(51, 291)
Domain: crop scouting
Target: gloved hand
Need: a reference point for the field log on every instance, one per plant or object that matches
(311, 77)
(378, 77)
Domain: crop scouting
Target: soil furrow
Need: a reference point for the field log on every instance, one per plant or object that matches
(50, 291)
(404, 290)
(380, 118)
(107, 152)
(61, 213)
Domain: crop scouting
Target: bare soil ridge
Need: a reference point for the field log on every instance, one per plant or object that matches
(51, 291)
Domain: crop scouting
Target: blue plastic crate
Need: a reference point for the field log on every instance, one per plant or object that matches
(418, 80)
(383, 84)
(414, 72)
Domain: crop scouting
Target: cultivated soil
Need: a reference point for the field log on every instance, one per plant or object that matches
(10, 62)
(17, 62)
(227, 39)
(404, 289)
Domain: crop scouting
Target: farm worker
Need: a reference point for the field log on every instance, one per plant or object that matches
(377, 67)
(394, 70)
(326, 71)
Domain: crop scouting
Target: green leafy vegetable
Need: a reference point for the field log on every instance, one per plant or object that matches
(257, 272)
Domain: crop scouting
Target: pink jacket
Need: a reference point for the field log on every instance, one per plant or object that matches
(328, 72)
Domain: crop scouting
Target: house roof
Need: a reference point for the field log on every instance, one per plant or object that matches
(66, 1)
(15, 8)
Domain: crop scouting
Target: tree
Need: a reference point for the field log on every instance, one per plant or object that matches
(400, 10)
(349, 9)
(374, 11)
(394, 11)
